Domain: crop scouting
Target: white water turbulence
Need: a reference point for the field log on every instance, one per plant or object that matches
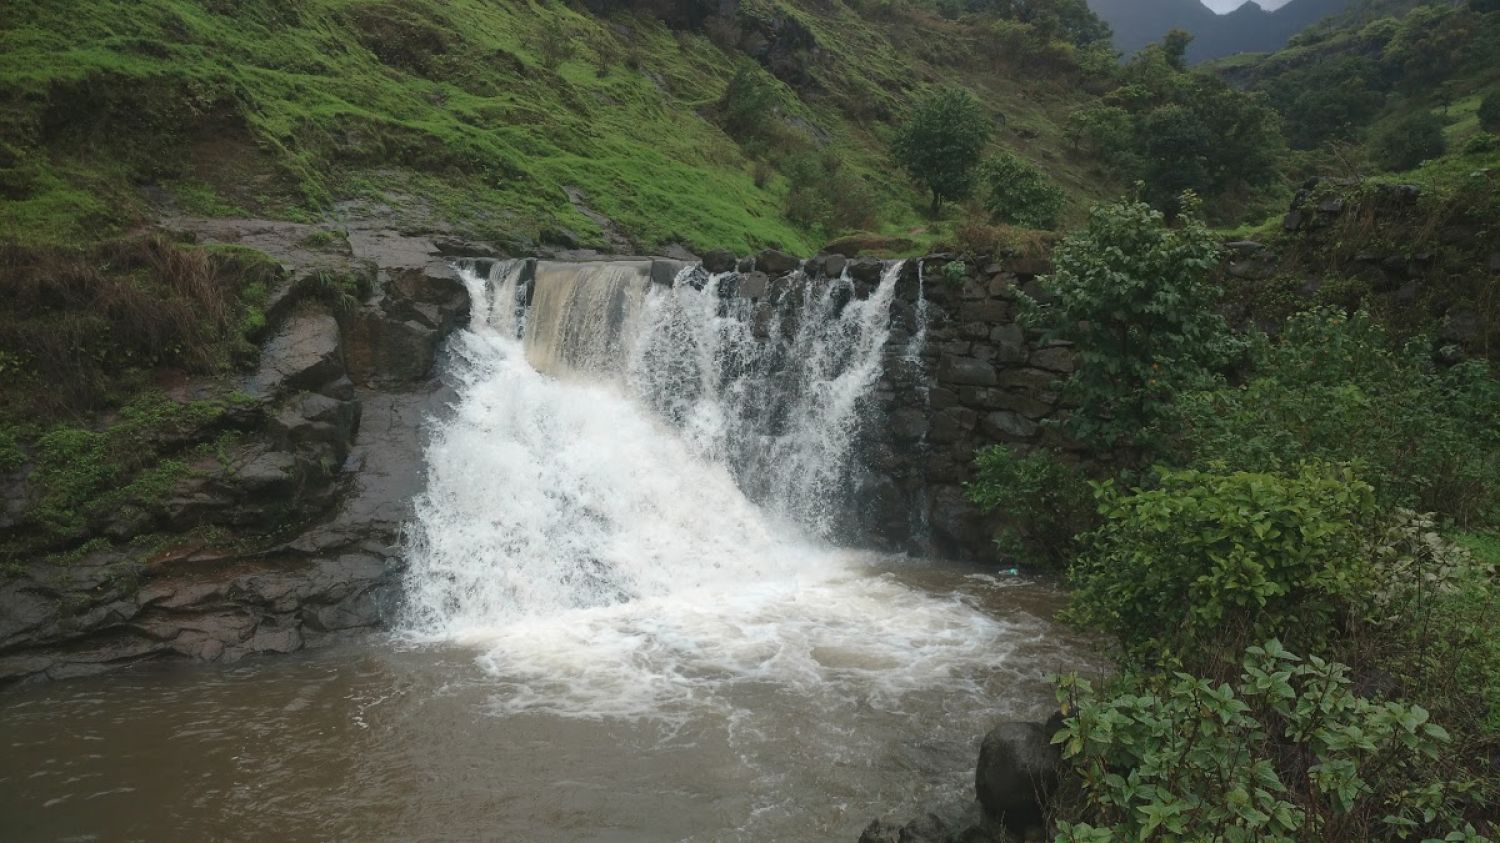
(625, 517)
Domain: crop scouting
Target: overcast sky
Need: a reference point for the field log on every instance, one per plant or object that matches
(1225, 6)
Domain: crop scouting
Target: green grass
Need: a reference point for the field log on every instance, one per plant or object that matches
(83, 473)
(1484, 546)
(449, 113)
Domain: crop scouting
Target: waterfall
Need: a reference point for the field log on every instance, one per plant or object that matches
(618, 439)
(650, 473)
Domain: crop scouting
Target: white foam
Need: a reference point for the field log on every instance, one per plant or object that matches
(591, 536)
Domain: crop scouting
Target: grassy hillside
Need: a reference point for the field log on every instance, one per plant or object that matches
(512, 121)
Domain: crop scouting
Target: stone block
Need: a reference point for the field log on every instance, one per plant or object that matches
(967, 371)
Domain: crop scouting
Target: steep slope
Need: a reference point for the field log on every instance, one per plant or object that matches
(602, 125)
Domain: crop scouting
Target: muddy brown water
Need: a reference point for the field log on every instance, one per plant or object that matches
(799, 720)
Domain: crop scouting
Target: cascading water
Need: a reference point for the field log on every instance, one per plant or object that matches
(623, 471)
(627, 517)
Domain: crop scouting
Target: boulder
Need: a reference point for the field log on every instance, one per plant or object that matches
(952, 425)
(1017, 774)
(1055, 359)
(867, 270)
(665, 271)
(753, 285)
(773, 262)
(1009, 342)
(1033, 379)
(719, 260)
(302, 354)
(319, 420)
(384, 351)
(1461, 325)
(928, 828)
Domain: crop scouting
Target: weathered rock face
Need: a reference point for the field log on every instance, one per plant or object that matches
(291, 536)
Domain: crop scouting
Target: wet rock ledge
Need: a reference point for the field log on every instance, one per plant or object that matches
(287, 536)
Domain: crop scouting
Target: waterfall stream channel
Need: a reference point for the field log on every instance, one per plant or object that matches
(630, 610)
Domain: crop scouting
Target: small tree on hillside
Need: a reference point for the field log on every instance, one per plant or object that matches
(941, 143)
(1175, 46)
(1489, 112)
(1409, 141)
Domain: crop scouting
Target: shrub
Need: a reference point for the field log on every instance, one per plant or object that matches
(749, 102)
(1489, 112)
(73, 321)
(941, 142)
(1288, 751)
(1016, 192)
(1409, 141)
(1204, 555)
(827, 194)
(1046, 503)
(1136, 296)
(1333, 388)
(1431, 628)
(554, 46)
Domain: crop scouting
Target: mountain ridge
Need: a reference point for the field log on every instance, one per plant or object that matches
(1247, 29)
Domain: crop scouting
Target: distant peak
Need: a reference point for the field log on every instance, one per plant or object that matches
(1224, 7)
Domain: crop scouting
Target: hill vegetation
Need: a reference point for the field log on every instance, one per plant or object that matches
(1277, 492)
(676, 122)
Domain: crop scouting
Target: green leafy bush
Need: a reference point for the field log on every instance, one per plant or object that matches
(1286, 752)
(1016, 192)
(1205, 556)
(1137, 297)
(1046, 504)
(1409, 141)
(1333, 388)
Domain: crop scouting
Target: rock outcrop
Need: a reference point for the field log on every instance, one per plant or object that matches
(1017, 775)
(290, 535)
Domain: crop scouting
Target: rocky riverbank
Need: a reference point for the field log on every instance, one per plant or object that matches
(288, 532)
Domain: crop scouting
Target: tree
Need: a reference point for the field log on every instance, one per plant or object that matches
(1329, 100)
(1067, 20)
(941, 143)
(1409, 141)
(1137, 298)
(1174, 46)
(1016, 192)
(1188, 131)
(1489, 112)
